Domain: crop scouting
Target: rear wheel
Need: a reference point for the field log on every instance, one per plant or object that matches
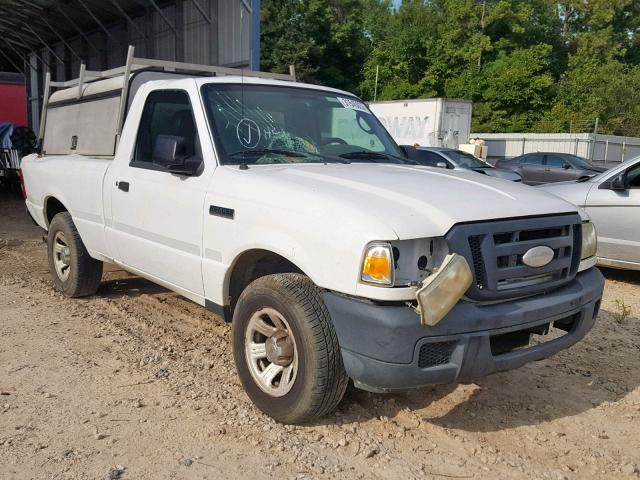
(286, 350)
(75, 273)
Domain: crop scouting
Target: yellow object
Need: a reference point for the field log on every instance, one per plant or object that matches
(377, 266)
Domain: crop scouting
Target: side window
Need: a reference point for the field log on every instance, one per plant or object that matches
(554, 161)
(633, 177)
(166, 113)
(532, 160)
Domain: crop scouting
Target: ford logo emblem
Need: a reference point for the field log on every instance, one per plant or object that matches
(537, 256)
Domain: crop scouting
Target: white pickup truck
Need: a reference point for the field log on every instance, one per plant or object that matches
(288, 210)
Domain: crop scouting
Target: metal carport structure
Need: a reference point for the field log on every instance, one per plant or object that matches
(56, 36)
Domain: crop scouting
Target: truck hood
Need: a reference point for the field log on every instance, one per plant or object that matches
(413, 201)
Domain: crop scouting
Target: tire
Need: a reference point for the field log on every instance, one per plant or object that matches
(318, 382)
(83, 274)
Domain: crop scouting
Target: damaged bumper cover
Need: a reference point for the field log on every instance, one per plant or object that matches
(385, 346)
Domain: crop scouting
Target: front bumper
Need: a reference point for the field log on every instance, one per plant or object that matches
(384, 347)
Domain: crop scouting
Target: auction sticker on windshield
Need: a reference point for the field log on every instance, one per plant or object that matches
(354, 104)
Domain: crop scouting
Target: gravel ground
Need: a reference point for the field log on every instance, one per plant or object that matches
(139, 383)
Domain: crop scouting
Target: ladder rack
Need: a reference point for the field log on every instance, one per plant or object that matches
(134, 64)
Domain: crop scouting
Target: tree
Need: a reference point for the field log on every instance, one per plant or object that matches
(324, 39)
(516, 92)
(602, 77)
(528, 65)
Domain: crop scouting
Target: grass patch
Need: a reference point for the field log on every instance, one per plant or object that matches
(622, 312)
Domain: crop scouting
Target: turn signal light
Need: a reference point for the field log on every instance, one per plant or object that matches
(377, 266)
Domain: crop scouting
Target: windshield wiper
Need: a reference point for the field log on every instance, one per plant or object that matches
(288, 153)
(364, 154)
(373, 156)
(265, 151)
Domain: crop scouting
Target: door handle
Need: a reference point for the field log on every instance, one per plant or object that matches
(124, 186)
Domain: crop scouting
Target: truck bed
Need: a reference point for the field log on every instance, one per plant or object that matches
(77, 182)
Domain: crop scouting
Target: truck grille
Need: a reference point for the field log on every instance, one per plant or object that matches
(494, 251)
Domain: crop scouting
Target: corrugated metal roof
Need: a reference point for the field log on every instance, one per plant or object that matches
(37, 36)
(61, 33)
(28, 25)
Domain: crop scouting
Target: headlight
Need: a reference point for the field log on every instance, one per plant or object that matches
(589, 240)
(377, 264)
(443, 289)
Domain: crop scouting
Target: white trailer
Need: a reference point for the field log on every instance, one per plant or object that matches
(431, 122)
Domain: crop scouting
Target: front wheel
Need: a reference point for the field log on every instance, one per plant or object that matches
(286, 350)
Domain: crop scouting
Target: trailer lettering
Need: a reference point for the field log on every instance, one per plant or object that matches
(406, 127)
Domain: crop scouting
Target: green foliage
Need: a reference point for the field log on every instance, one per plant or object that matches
(528, 65)
(324, 39)
(517, 88)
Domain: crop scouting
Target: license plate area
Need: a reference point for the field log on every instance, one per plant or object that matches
(521, 339)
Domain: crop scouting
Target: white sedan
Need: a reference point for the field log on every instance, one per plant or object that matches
(612, 199)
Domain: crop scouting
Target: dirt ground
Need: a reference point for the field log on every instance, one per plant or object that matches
(139, 383)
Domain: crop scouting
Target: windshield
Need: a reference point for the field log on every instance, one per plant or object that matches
(579, 162)
(465, 160)
(260, 124)
(609, 174)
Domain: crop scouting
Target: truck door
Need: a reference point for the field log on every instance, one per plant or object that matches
(158, 215)
(616, 215)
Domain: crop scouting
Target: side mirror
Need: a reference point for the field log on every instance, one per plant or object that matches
(409, 151)
(169, 152)
(619, 183)
(441, 165)
(566, 166)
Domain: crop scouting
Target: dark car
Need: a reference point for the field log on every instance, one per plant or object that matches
(547, 167)
(457, 160)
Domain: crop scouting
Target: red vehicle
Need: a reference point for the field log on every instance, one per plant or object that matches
(14, 134)
(13, 99)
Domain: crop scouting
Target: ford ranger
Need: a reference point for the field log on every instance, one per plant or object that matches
(287, 209)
